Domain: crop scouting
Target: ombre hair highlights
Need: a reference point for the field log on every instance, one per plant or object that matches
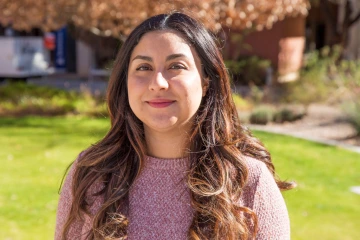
(219, 145)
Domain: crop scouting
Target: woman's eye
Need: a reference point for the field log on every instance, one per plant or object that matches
(178, 66)
(143, 68)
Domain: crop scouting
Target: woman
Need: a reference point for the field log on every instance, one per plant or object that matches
(176, 163)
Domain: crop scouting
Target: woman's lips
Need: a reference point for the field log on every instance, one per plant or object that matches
(160, 103)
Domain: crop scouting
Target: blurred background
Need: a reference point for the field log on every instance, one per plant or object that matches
(295, 72)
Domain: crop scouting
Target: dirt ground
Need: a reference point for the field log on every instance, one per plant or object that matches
(322, 122)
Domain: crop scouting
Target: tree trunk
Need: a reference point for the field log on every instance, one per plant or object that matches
(351, 30)
(342, 25)
(331, 18)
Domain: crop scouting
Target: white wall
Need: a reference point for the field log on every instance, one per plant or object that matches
(84, 59)
(23, 56)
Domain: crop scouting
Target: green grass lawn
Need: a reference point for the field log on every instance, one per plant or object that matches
(35, 151)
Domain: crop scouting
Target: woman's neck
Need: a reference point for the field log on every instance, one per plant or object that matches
(167, 145)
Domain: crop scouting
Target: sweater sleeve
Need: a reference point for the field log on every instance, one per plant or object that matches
(270, 208)
(64, 207)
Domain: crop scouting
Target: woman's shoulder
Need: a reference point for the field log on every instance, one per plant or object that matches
(263, 196)
(258, 174)
(256, 169)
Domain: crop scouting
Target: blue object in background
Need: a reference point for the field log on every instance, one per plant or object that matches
(60, 49)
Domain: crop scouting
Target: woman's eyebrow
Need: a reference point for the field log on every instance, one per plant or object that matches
(176, 55)
(168, 58)
(146, 58)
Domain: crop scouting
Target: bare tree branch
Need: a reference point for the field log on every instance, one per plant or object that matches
(354, 20)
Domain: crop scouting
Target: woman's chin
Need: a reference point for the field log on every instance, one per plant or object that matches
(161, 126)
(170, 125)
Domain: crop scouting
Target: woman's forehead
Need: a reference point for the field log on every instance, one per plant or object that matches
(167, 33)
(162, 42)
(171, 39)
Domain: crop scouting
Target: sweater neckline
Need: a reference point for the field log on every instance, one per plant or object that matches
(166, 163)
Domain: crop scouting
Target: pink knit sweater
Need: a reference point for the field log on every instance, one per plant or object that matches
(159, 203)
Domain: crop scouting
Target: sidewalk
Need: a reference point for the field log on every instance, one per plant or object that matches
(70, 82)
(323, 124)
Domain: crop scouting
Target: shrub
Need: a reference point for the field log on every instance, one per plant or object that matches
(248, 70)
(240, 102)
(19, 99)
(313, 86)
(89, 104)
(289, 114)
(262, 115)
(24, 99)
(352, 110)
(325, 78)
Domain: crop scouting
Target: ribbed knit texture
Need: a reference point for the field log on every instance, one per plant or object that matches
(159, 203)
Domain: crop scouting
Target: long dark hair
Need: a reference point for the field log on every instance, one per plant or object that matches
(219, 144)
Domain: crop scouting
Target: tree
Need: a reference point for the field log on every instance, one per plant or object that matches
(27, 14)
(339, 16)
(101, 23)
(117, 17)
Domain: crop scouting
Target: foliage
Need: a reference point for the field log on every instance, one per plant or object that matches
(19, 99)
(313, 85)
(90, 104)
(324, 78)
(262, 114)
(248, 70)
(117, 18)
(346, 76)
(328, 78)
(240, 102)
(352, 110)
(289, 114)
(37, 150)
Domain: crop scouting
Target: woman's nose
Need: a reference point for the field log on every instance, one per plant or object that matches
(158, 82)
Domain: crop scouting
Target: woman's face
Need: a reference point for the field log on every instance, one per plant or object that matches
(164, 82)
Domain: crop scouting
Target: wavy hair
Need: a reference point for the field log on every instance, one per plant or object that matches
(219, 144)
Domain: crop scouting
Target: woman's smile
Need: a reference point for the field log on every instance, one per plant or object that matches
(160, 103)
